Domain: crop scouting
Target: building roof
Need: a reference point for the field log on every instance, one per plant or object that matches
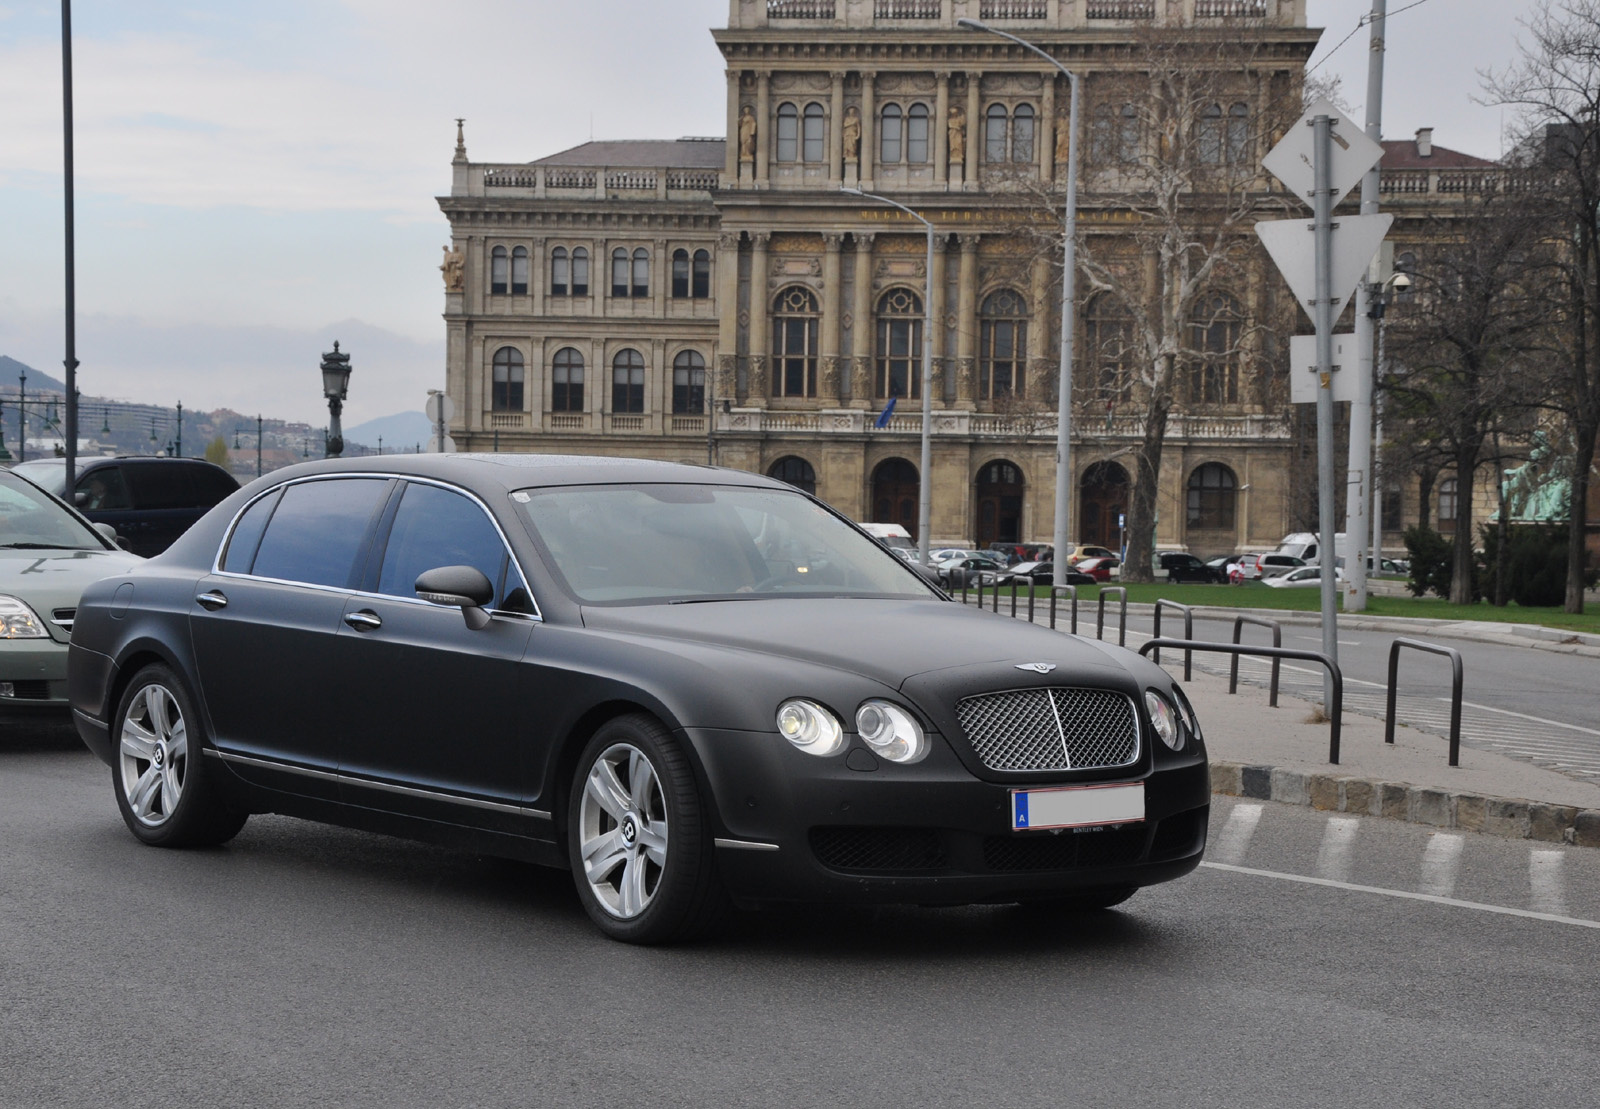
(651, 153)
(1402, 154)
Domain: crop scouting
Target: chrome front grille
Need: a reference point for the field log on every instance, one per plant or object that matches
(1051, 729)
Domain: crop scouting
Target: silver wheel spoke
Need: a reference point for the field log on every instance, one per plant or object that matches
(178, 746)
(604, 854)
(607, 791)
(653, 838)
(155, 703)
(143, 792)
(640, 780)
(137, 742)
(170, 788)
(632, 886)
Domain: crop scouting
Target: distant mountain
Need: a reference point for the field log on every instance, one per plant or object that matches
(37, 381)
(402, 431)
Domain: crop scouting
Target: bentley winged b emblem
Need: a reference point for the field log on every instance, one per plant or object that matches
(1037, 667)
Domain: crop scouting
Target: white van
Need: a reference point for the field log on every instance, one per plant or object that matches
(890, 535)
(1303, 545)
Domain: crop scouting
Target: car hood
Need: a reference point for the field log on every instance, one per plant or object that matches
(48, 580)
(888, 641)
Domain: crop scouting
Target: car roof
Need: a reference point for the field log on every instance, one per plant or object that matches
(527, 471)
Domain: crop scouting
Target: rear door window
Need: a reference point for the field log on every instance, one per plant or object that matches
(159, 485)
(318, 530)
(211, 484)
(247, 535)
(438, 527)
(104, 490)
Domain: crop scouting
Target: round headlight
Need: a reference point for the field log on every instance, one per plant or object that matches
(1164, 718)
(891, 731)
(1190, 718)
(810, 727)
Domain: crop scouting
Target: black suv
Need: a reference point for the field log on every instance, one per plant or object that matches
(149, 501)
(1186, 567)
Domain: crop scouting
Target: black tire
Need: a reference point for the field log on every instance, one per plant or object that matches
(1087, 901)
(156, 756)
(642, 890)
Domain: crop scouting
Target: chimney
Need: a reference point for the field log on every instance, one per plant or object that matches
(1424, 142)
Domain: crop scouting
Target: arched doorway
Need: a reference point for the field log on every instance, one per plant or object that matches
(894, 494)
(998, 496)
(1103, 499)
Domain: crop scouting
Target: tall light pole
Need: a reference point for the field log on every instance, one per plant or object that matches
(335, 387)
(925, 482)
(71, 359)
(1069, 279)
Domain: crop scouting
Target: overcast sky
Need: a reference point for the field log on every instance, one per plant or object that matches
(257, 180)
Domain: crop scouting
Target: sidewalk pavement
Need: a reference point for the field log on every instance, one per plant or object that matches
(1281, 754)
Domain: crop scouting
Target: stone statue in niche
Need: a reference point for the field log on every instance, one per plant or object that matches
(958, 134)
(454, 268)
(852, 134)
(1063, 140)
(747, 134)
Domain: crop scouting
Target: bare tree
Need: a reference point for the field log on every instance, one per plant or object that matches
(1556, 84)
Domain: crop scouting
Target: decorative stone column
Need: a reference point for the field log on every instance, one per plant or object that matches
(937, 283)
(974, 132)
(861, 328)
(831, 388)
(967, 325)
(1047, 131)
(727, 363)
(869, 128)
(941, 131)
(660, 276)
(760, 384)
(836, 131)
(763, 128)
(1040, 312)
(730, 173)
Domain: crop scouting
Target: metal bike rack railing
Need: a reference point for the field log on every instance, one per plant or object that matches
(1277, 641)
(1188, 631)
(1055, 592)
(1336, 709)
(1122, 626)
(1013, 596)
(1455, 690)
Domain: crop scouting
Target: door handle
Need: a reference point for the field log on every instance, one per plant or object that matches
(212, 601)
(363, 621)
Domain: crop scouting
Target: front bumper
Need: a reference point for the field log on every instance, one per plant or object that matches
(35, 671)
(852, 828)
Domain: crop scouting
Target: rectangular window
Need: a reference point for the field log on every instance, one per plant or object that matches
(641, 274)
(580, 273)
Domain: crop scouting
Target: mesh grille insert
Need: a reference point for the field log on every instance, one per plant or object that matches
(879, 848)
(1051, 729)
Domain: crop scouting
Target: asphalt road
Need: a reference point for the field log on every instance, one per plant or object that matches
(1341, 962)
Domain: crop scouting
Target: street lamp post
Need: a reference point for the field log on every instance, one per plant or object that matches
(1378, 306)
(925, 484)
(335, 386)
(1069, 275)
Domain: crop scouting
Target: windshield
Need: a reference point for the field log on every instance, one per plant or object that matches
(30, 520)
(648, 544)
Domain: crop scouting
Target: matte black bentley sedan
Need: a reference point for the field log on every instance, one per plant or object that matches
(688, 685)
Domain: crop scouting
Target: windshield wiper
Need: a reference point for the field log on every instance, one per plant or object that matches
(40, 547)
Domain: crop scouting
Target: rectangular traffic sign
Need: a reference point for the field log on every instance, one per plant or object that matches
(1303, 379)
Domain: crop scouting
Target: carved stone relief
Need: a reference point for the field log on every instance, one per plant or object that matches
(797, 267)
(795, 243)
(830, 376)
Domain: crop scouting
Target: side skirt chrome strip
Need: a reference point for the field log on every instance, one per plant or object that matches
(745, 844)
(386, 787)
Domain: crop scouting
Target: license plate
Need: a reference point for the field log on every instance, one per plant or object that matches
(1076, 806)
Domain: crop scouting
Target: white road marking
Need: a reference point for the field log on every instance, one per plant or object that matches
(1236, 833)
(1318, 639)
(1525, 716)
(1333, 858)
(1440, 861)
(1544, 874)
(1434, 899)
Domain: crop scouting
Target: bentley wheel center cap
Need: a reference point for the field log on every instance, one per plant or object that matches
(159, 757)
(630, 830)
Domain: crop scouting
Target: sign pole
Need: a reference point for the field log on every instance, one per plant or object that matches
(1322, 201)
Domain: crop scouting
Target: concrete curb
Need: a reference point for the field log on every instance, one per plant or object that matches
(1514, 818)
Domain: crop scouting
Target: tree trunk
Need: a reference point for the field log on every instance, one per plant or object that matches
(1502, 530)
(1578, 518)
(1142, 509)
(1461, 574)
(1425, 480)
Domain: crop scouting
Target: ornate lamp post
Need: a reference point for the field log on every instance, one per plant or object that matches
(335, 386)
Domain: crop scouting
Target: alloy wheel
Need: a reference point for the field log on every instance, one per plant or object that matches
(154, 755)
(622, 826)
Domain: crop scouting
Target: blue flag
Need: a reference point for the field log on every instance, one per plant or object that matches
(883, 417)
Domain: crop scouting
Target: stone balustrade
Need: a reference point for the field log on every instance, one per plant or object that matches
(589, 182)
(1046, 13)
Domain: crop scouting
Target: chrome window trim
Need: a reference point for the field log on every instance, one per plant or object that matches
(537, 615)
(370, 783)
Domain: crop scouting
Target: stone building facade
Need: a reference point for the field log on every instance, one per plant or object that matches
(722, 300)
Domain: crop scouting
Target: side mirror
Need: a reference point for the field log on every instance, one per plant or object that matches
(80, 499)
(111, 533)
(463, 587)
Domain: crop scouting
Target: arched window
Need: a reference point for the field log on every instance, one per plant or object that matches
(1449, 505)
(641, 272)
(566, 392)
(995, 141)
(580, 272)
(1208, 135)
(1103, 135)
(899, 344)
(1022, 134)
(1212, 490)
(1238, 152)
(519, 271)
(1214, 333)
(812, 134)
(499, 264)
(560, 272)
(1107, 334)
(788, 133)
(619, 272)
(700, 288)
(794, 343)
(680, 273)
(1003, 344)
(1128, 134)
(627, 382)
(891, 135)
(917, 135)
(506, 391)
(797, 472)
(689, 382)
